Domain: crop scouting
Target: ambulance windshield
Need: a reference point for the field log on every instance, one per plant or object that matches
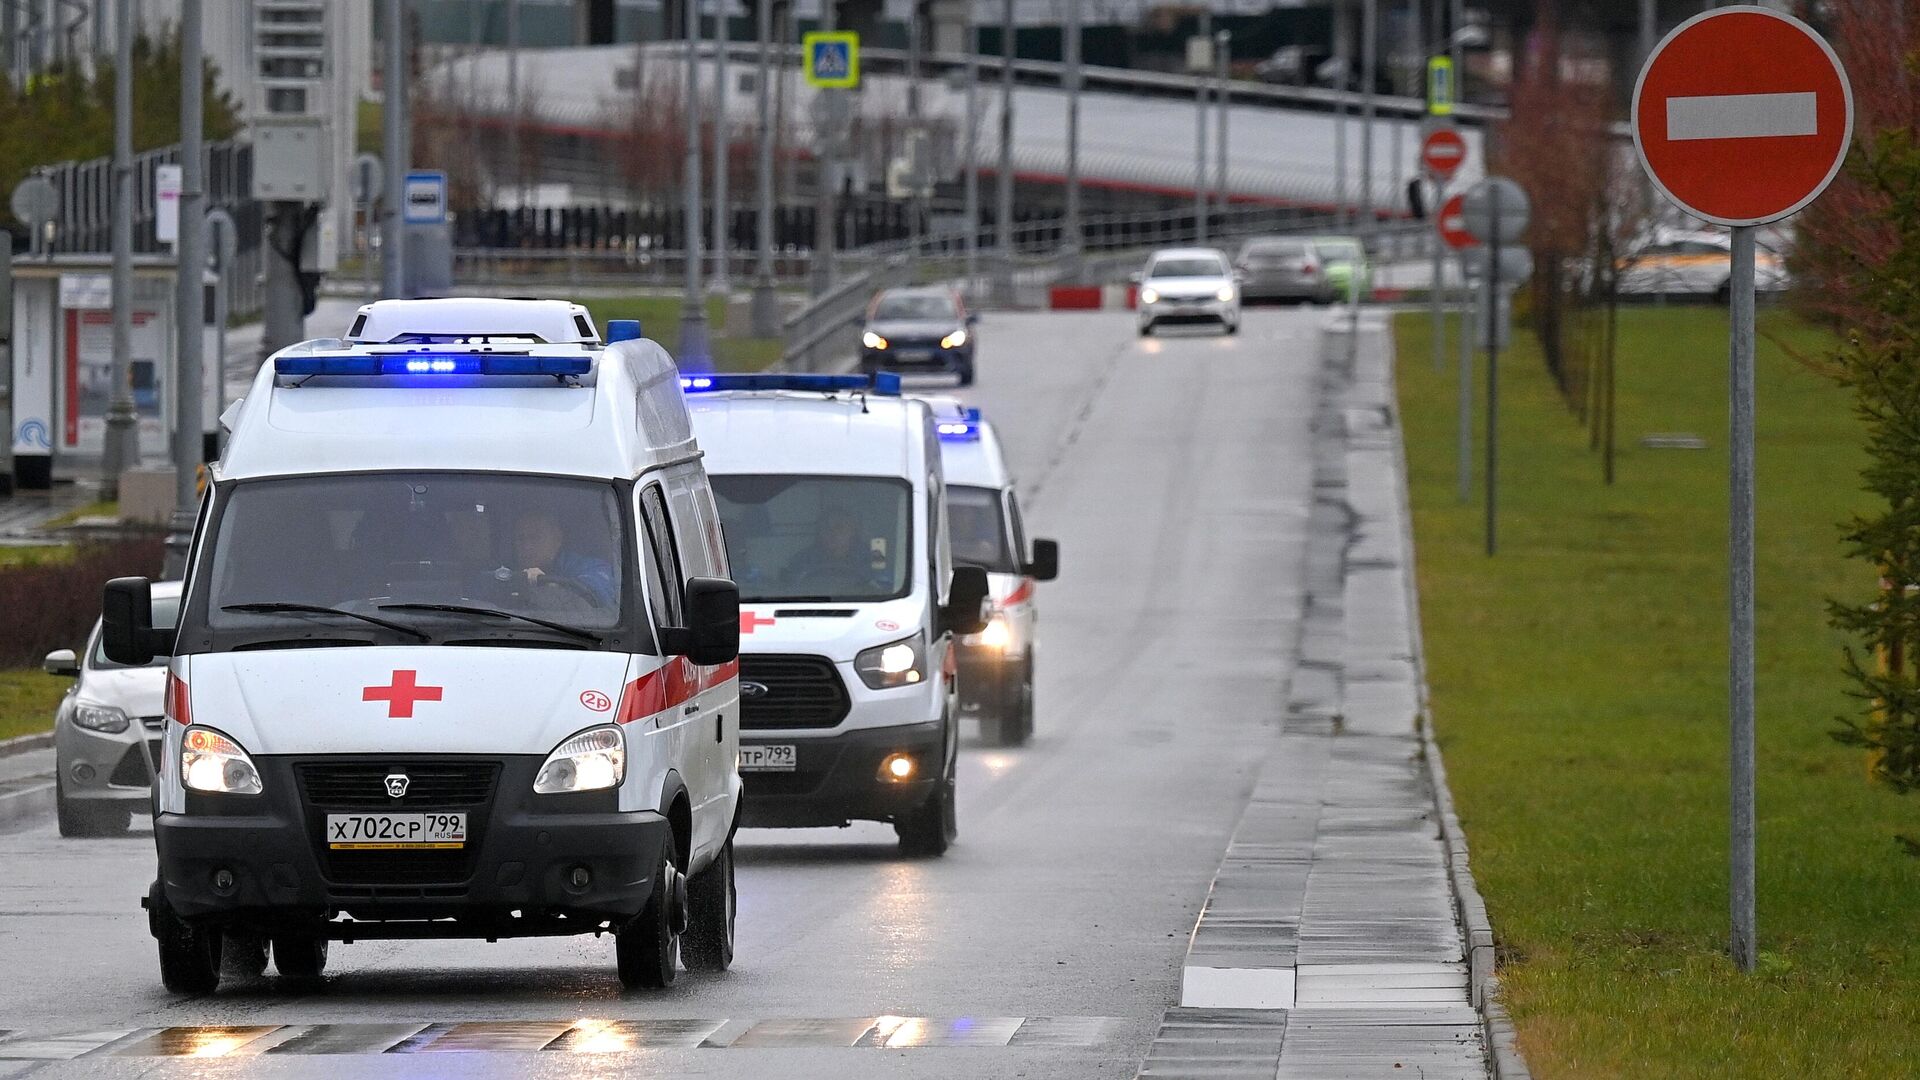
(817, 538)
(979, 525)
(393, 546)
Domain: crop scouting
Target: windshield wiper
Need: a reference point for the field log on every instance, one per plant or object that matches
(322, 609)
(463, 609)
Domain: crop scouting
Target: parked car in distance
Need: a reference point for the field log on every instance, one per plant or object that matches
(1282, 268)
(106, 731)
(926, 329)
(1678, 263)
(1343, 262)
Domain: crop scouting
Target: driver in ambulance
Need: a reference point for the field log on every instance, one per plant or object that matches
(537, 542)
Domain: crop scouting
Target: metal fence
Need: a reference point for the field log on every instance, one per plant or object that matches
(84, 222)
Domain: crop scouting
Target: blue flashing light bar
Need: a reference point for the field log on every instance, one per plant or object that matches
(965, 429)
(885, 383)
(433, 364)
(623, 330)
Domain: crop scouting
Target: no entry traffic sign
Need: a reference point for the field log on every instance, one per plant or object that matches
(1452, 223)
(1442, 151)
(1742, 115)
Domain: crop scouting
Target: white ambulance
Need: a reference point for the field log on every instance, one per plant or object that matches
(456, 655)
(833, 497)
(983, 512)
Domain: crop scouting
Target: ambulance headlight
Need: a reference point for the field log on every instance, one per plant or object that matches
(997, 635)
(593, 760)
(211, 762)
(1148, 296)
(897, 663)
(954, 340)
(872, 340)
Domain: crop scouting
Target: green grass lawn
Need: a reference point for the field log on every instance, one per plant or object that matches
(27, 700)
(34, 555)
(660, 320)
(1579, 695)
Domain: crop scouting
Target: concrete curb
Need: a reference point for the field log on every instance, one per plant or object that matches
(20, 744)
(1475, 926)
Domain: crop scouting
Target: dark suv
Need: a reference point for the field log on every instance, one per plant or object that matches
(918, 330)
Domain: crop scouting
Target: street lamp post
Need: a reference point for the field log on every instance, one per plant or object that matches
(972, 178)
(1200, 86)
(1075, 237)
(189, 317)
(121, 450)
(722, 146)
(1003, 180)
(1222, 43)
(693, 316)
(766, 303)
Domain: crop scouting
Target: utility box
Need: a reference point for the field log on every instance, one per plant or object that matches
(292, 158)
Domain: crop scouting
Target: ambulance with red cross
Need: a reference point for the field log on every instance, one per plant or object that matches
(456, 656)
(833, 496)
(996, 665)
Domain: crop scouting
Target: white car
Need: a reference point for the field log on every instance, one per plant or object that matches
(106, 732)
(456, 655)
(1188, 285)
(1696, 264)
(997, 664)
(833, 495)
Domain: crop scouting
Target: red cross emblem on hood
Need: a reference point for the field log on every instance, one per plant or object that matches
(749, 620)
(401, 694)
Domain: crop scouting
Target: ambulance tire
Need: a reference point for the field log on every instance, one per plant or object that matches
(647, 949)
(1012, 723)
(300, 959)
(189, 954)
(712, 903)
(931, 828)
(242, 956)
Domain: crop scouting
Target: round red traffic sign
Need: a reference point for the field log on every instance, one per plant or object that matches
(1742, 115)
(1452, 223)
(1442, 151)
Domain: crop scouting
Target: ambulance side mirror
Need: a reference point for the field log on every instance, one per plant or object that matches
(1046, 561)
(127, 633)
(966, 610)
(712, 635)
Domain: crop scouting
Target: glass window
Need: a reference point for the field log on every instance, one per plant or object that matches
(539, 546)
(817, 538)
(165, 613)
(915, 306)
(1197, 266)
(979, 529)
(665, 581)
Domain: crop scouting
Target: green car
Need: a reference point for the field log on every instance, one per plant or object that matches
(1344, 264)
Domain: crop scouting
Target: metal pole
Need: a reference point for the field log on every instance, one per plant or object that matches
(826, 170)
(393, 133)
(1455, 20)
(514, 169)
(766, 303)
(917, 204)
(6, 369)
(722, 147)
(1343, 54)
(972, 179)
(1003, 180)
(1222, 43)
(1369, 75)
(1490, 281)
(1200, 88)
(1464, 466)
(1074, 238)
(1740, 589)
(693, 315)
(121, 450)
(189, 293)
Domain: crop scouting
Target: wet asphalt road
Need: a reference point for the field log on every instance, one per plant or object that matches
(1174, 472)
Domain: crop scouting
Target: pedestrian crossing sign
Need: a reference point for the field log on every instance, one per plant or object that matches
(833, 58)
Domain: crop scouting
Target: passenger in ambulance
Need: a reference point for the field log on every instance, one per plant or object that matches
(538, 539)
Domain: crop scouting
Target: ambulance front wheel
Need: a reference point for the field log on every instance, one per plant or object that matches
(932, 827)
(647, 949)
(300, 959)
(712, 903)
(189, 952)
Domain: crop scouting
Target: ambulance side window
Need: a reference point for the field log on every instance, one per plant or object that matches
(664, 579)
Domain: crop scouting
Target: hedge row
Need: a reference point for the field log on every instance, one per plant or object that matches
(52, 605)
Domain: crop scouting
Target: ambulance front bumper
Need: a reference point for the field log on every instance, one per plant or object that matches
(836, 778)
(531, 864)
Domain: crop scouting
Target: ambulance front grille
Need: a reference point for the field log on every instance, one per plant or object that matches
(791, 692)
(361, 784)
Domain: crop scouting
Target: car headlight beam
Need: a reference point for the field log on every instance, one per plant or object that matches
(872, 340)
(954, 340)
(997, 635)
(593, 760)
(1149, 296)
(897, 663)
(1225, 294)
(94, 717)
(213, 763)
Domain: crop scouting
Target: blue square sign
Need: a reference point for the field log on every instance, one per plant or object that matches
(833, 58)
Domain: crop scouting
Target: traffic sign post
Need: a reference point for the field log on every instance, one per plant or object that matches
(1442, 151)
(832, 58)
(1742, 116)
(1451, 224)
(1497, 211)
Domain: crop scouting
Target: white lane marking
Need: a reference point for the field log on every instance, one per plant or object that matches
(1741, 116)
